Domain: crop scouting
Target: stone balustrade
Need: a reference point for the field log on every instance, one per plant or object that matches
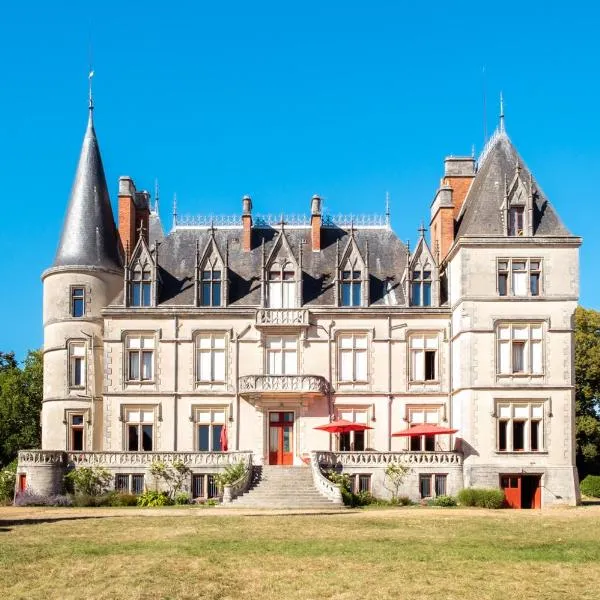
(327, 488)
(250, 385)
(282, 317)
(190, 459)
(369, 458)
(41, 457)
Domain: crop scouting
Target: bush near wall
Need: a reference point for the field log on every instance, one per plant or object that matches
(481, 497)
(590, 486)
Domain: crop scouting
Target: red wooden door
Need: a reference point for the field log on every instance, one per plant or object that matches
(281, 438)
(511, 484)
(22, 482)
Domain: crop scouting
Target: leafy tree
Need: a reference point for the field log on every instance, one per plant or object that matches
(587, 389)
(20, 404)
(395, 474)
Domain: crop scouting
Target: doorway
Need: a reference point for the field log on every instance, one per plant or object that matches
(281, 438)
(522, 491)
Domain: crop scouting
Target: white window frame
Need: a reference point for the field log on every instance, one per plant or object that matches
(141, 279)
(147, 416)
(353, 351)
(354, 414)
(430, 342)
(431, 415)
(529, 336)
(73, 297)
(525, 411)
(282, 286)
(210, 349)
(140, 344)
(507, 267)
(211, 267)
(209, 416)
(77, 361)
(286, 348)
(354, 280)
(419, 280)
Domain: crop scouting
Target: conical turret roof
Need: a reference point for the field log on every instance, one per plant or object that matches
(89, 235)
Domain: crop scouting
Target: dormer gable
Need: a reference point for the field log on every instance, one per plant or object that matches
(517, 206)
(211, 278)
(141, 275)
(352, 279)
(421, 279)
(282, 275)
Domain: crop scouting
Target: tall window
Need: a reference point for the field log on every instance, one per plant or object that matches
(515, 221)
(520, 426)
(139, 429)
(210, 287)
(210, 357)
(140, 358)
(77, 365)
(423, 415)
(353, 357)
(282, 355)
(520, 349)
(77, 302)
(420, 290)
(209, 429)
(75, 424)
(519, 277)
(350, 288)
(423, 357)
(141, 286)
(281, 290)
(353, 440)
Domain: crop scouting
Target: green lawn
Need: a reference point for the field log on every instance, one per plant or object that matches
(207, 553)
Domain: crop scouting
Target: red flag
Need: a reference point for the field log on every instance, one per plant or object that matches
(223, 438)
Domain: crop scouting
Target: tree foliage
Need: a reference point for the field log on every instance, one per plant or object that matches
(20, 404)
(587, 389)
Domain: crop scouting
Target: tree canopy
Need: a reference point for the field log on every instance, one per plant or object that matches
(20, 404)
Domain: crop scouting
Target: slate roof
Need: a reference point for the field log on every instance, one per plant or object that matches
(177, 255)
(89, 235)
(481, 212)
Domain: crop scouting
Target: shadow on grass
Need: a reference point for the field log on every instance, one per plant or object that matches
(8, 524)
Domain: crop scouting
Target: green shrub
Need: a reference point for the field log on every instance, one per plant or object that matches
(152, 498)
(481, 497)
(403, 501)
(444, 501)
(89, 481)
(8, 476)
(122, 499)
(590, 486)
(230, 475)
(183, 498)
(172, 475)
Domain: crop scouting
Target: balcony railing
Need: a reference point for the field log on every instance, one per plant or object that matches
(256, 385)
(282, 317)
(370, 458)
(190, 459)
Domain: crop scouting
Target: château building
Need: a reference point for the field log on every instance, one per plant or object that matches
(231, 339)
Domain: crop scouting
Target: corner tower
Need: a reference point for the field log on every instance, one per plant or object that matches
(85, 277)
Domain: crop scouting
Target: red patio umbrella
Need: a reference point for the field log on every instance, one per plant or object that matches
(342, 426)
(424, 429)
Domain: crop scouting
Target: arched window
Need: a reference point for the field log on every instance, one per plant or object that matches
(141, 286)
(281, 286)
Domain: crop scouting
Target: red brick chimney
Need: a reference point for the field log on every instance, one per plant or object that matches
(315, 223)
(247, 223)
(134, 212)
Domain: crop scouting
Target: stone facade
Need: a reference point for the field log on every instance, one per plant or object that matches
(251, 334)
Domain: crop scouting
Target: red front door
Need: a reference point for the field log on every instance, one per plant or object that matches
(281, 438)
(522, 491)
(511, 484)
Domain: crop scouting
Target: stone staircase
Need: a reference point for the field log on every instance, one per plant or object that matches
(283, 487)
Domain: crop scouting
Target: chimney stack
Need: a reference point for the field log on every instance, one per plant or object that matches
(247, 223)
(127, 220)
(315, 223)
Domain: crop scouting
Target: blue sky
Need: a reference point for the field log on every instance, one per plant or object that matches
(282, 100)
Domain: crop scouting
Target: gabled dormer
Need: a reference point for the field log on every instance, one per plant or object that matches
(421, 279)
(141, 274)
(282, 275)
(211, 275)
(517, 206)
(352, 279)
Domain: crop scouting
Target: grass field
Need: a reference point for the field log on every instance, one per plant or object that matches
(209, 553)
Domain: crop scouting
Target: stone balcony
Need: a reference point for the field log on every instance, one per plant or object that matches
(285, 318)
(255, 387)
(350, 460)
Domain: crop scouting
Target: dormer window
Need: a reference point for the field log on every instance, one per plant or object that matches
(420, 288)
(210, 286)
(141, 286)
(281, 287)
(515, 221)
(350, 288)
